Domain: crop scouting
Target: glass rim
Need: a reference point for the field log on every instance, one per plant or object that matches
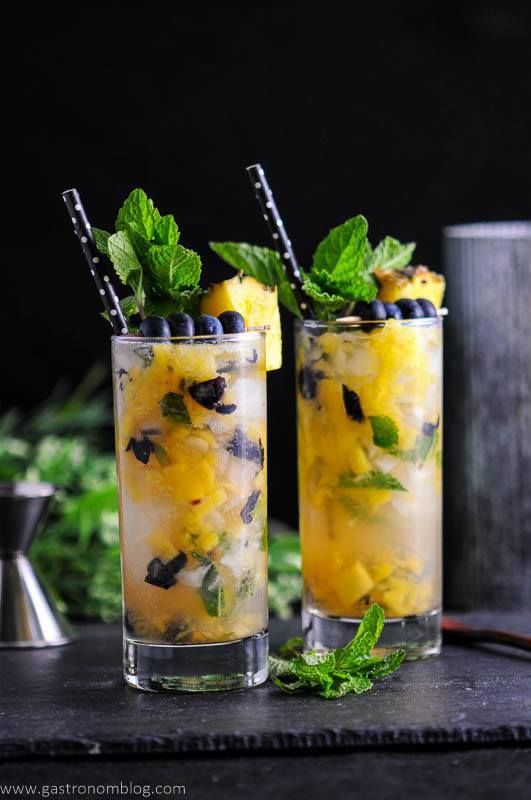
(251, 334)
(338, 325)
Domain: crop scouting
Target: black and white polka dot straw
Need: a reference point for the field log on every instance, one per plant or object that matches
(281, 241)
(83, 230)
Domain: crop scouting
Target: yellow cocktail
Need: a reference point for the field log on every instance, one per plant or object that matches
(369, 442)
(191, 449)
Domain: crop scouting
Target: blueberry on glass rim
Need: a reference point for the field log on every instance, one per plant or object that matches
(392, 311)
(155, 326)
(181, 324)
(375, 310)
(410, 308)
(427, 307)
(206, 325)
(232, 322)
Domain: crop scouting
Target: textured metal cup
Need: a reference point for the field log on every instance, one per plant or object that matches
(28, 617)
(487, 506)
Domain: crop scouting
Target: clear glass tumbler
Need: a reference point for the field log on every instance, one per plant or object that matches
(369, 399)
(191, 452)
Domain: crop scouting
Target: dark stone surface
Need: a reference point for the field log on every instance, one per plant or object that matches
(72, 701)
(486, 774)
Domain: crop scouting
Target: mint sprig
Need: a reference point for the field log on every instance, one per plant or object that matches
(341, 272)
(147, 256)
(338, 672)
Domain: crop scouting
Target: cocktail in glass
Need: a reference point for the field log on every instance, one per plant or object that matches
(369, 442)
(191, 451)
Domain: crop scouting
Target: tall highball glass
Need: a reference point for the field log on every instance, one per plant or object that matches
(191, 450)
(369, 399)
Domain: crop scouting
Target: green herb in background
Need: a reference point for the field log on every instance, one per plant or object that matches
(338, 672)
(78, 554)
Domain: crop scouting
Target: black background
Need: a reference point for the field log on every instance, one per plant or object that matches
(416, 114)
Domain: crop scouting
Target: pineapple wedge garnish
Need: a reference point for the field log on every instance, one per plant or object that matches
(258, 305)
(410, 282)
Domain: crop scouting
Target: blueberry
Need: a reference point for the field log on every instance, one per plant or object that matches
(367, 311)
(410, 308)
(209, 393)
(308, 380)
(206, 325)
(155, 326)
(427, 307)
(247, 511)
(141, 448)
(181, 324)
(163, 574)
(392, 311)
(242, 447)
(232, 322)
(352, 404)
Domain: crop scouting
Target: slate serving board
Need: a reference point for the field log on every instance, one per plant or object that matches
(71, 701)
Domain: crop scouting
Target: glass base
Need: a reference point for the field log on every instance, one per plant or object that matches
(419, 636)
(196, 667)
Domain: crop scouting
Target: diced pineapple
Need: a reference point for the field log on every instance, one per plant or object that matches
(411, 282)
(353, 583)
(257, 303)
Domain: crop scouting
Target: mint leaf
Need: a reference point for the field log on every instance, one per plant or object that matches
(138, 214)
(126, 263)
(350, 683)
(339, 262)
(390, 254)
(380, 667)
(384, 432)
(101, 238)
(212, 592)
(367, 635)
(278, 666)
(329, 300)
(370, 480)
(292, 648)
(166, 230)
(173, 405)
(338, 672)
(173, 268)
(123, 257)
(261, 263)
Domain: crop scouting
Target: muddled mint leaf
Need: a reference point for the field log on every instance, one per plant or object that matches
(101, 238)
(370, 480)
(173, 268)
(126, 263)
(384, 432)
(212, 592)
(166, 231)
(349, 669)
(261, 263)
(139, 214)
(390, 254)
(161, 454)
(173, 406)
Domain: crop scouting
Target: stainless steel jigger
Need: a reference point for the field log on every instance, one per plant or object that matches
(28, 617)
